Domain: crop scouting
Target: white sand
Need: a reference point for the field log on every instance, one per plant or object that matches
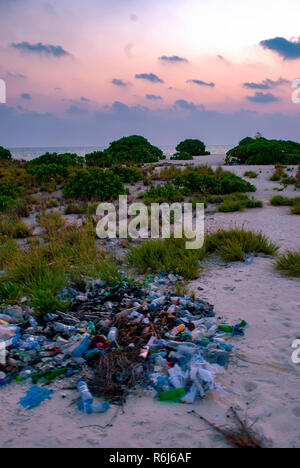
(261, 379)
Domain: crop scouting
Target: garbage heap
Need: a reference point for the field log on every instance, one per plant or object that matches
(116, 337)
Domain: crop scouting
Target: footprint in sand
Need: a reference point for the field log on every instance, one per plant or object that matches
(296, 411)
(250, 386)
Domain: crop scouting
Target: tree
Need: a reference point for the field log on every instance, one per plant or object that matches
(5, 153)
(192, 147)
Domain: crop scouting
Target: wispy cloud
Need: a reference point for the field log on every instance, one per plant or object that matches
(173, 59)
(263, 98)
(153, 97)
(183, 104)
(16, 76)
(26, 96)
(201, 83)
(118, 82)
(41, 49)
(289, 50)
(149, 77)
(266, 84)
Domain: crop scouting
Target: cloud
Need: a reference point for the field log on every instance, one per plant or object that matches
(75, 110)
(173, 59)
(134, 17)
(118, 82)
(84, 99)
(16, 76)
(153, 97)
(183, 104)
(266, 84)
(26, 96)
(289, 50)
(41, 49)
(149, 77)
(263, 98)
(202, 83)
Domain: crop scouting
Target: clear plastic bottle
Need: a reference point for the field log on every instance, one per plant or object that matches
(85, 404)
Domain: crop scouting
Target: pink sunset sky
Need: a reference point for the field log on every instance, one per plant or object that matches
(85, 72)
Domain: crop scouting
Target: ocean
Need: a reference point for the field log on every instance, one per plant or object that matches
(31, 153)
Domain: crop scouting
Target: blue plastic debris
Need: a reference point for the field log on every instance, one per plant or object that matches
(35, 396)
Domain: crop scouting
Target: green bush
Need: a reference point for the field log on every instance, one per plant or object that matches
(44, 302)
(263, 151)
(65, 159)
(289, 263)
(10, 293)
(165, 193)
(192, 147)
(9, 189)
(133, 149)
(5, 153)
(94, 183)
(279, 200)
(47, 172)
(14, 228)
(238, 202)
(209, 184)
(250, 174)
(296, 209)
(127, 174)
(182, 156)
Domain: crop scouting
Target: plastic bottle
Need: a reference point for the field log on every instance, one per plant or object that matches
(139, 317)
(156, 303)
(30, 343)
(112, 334)
(61, 328)
(86, 397)
(2, 378)
(171, 394)
(25, 374)
(8, 331)
(177, 378)
(82, 347)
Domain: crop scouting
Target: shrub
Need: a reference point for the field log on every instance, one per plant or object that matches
(296, 208)
(10, 293)
(209, 184)
(44, 302)
(165, 193)
(52, 222)
(250, 174)
(182, 156)
(75, 208)
(94, 183)
(48, 172)
(14, 227)
(279, 200)
(263, 151)
(5, 153)
(238, 202)
(127, 174)
(65, 159)
(192, 147)
(165, 255)
(289, 263)
(9, 189)
(6, 203)
(133, 149)
(231, 245)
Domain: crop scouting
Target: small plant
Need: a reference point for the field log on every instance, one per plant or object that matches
(14, 227)
(45, 302)
(296, 209)
(52, 222)
(250, 174)
(10, 293)
(289, 263)
(75, 208)
(238, 202)
(165, 193)
(9, 189)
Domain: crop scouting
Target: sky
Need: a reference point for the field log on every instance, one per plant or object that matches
(82, 73)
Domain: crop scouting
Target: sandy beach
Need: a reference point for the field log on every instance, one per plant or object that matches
(261, 382)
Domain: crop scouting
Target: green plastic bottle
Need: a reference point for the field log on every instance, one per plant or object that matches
(171, 394)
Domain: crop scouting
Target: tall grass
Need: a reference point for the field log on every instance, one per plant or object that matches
(289, 263)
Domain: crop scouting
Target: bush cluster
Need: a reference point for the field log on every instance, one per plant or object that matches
(192, 147)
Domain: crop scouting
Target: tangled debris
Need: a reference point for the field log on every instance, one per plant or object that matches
(114, 338)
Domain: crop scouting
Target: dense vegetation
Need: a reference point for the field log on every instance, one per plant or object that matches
(4, 153)
(221, 182)
(182, 156)
(94, 183)
(48, 172)
(192, 147)
(133, 149)
(263, 151)
(65, 159)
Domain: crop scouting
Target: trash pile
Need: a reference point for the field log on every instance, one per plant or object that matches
(114, 338)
